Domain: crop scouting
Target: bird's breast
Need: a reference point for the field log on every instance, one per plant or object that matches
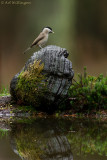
(43, 41)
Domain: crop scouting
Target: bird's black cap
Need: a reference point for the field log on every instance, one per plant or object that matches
(49, 28)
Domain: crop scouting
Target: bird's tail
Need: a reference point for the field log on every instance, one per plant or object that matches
(27, 50)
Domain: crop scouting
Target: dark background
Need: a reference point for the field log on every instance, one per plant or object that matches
(80, 26)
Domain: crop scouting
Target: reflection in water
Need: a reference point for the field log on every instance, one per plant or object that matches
(55, 139)
(41, 140)
(6, 152)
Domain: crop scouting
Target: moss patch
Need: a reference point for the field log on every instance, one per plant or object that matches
(32, 84)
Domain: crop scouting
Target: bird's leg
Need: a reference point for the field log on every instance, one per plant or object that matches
(40, 46)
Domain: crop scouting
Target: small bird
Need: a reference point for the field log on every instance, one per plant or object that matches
(41, 39)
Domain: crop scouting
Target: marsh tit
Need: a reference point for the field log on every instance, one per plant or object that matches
(41, 39)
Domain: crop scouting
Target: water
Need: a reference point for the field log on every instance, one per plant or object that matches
(53, 139)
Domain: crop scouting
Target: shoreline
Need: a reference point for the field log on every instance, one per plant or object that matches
(8, 110)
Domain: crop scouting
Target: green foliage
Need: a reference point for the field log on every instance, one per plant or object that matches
(3, 132)
(90, 138)
(4, 91)
(24, 109)
(89, 92)
(31, 84)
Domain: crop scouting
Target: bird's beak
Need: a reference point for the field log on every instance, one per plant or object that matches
(51, 32)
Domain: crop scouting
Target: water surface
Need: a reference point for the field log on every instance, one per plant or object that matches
(53, 139)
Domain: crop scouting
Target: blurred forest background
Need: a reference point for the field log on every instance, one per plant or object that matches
(80, 26)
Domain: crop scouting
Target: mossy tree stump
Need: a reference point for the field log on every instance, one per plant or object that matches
(45, 79)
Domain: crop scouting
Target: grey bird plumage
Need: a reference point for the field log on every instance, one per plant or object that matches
(41, 39)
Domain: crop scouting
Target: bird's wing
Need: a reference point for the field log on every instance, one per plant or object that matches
(40, 37)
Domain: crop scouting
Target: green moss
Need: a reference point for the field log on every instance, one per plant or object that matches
(31, 84)
(4, 91)
(3, 132)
